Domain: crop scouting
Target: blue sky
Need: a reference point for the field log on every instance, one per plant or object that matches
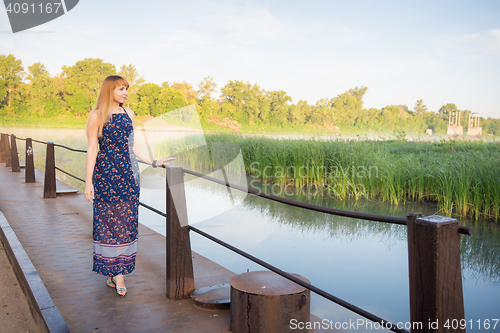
(438, 51)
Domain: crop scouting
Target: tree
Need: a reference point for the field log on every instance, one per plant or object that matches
(187, 91)
(278, 106)
(348, 105)
(206, 88)
(299, 113)
(358, 92)
(420, 107)
(147, 99)
(78, 102)
(11, 76)
(243, 102)
(169, 99)
(134, 79)
(444, 111)
(40, 89)
(86, 76)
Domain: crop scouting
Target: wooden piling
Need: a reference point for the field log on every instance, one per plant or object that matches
(14, 156)
(49, 186)
(29, 173)
(2, 148)
(6, 147)
(180, 276)
(263, 301)
(436, 295)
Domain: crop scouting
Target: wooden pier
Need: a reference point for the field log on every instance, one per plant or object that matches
(57, 236)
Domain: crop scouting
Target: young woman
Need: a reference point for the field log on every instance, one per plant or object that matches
(112, 182)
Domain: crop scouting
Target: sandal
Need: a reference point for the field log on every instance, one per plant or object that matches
(121, 290)
(111, 283)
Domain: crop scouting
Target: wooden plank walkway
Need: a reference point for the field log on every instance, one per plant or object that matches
(57, 236)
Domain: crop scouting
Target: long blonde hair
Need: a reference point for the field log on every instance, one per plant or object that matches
(104, 105)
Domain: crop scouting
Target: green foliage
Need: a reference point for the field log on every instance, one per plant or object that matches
(444, 111)
(169, 99)
(147, 99)
(134, 79)
(78, 102)
(420, 107)
(75, 90)
(85, 77)
(11, 75)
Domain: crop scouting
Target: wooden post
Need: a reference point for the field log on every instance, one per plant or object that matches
(436, 295)
(29, 169)
(180, 277)
(49, 186)
(2, 148)
(6, 147)
(263, 301)
(14, 156)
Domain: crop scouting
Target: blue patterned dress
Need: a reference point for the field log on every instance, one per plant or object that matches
(116, 199)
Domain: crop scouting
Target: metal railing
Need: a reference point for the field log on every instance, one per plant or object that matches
(433, 245)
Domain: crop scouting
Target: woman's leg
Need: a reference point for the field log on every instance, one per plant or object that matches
(110, 282)
(120, 283)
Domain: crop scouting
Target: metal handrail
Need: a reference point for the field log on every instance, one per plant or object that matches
(72, 149)
(69, 174)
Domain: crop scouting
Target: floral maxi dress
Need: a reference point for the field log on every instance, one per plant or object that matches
(116, 199)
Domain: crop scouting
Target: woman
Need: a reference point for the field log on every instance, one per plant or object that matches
(112, 182)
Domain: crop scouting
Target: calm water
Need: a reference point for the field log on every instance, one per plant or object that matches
(364, 263)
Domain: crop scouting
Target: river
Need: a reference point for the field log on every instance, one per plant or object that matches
(365, 263)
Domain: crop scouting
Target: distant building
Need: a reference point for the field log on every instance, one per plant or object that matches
(454, 127)
(474, 131)
(428, 131)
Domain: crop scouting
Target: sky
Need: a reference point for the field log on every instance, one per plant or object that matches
(439, 51)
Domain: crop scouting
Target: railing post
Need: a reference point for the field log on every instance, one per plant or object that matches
(180, 277)
(436, 295)
(29, 169)
(6, 147)
(49, 186)
(14, 156)
(2, 148)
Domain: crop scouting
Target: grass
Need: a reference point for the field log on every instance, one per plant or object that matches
(462, 177)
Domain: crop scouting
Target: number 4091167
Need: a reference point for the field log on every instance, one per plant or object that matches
(463, 324)
(32, 8)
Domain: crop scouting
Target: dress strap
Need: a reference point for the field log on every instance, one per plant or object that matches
(126, 113)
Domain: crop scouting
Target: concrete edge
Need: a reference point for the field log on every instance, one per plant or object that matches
(44, 312)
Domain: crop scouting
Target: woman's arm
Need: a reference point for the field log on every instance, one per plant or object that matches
(92, 148)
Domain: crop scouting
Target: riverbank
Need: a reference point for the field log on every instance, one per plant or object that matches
(70, 121)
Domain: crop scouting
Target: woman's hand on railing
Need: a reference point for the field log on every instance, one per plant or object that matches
(165, 161)
(89, 191)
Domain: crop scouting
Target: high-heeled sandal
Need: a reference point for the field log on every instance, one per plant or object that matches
(119, 290)
(111, 283)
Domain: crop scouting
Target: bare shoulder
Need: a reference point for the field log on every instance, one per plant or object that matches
(93, 119)
(93, 115)
(130, 111)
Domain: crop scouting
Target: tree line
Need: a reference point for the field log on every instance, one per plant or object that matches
(32, 93)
